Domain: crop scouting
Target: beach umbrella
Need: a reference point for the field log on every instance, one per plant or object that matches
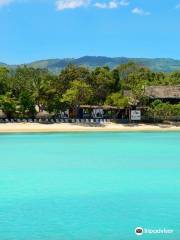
(43, 115)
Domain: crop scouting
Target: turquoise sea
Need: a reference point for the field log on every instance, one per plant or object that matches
(89, 186)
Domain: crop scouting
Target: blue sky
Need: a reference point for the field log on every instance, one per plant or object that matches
(41, 29)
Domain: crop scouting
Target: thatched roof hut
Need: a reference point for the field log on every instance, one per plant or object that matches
(158, 92)
(162, 92)
(2, 115)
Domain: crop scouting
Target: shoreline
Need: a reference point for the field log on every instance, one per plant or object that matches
(71, 127)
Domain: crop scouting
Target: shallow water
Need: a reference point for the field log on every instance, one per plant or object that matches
(89, 186)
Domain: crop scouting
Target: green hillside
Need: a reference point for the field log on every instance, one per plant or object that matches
(156, 64)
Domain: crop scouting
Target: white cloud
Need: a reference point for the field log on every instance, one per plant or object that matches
(70, 4)
(140, 11)
(111, 4)
(100, 5)
(178, 6)
(5, 2)
(124, 3)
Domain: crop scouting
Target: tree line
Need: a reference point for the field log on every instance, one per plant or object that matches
(24, 91)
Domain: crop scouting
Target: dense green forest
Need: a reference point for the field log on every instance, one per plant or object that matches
(25, 91)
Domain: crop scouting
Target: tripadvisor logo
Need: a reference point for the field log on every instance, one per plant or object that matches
(139, 231)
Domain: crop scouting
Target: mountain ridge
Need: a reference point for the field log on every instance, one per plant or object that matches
(57, 64)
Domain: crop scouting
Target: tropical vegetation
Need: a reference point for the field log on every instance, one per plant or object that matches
(24, 91)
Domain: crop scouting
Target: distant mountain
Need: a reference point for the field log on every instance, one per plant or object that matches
(56, 65)
(3, 64)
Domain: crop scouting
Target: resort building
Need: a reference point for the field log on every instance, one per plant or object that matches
(97, 112)
(169, 94)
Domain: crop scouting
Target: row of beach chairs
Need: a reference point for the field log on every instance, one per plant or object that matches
(56, 120)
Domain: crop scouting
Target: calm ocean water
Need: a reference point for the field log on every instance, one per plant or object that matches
(89, 186)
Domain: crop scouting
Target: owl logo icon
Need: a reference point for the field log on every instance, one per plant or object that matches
(139, 231)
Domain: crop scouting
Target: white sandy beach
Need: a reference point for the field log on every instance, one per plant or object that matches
(71, 127)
